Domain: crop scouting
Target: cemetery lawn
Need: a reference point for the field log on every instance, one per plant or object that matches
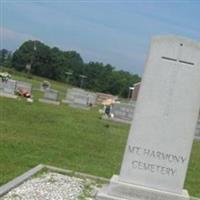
(61, 136)
(65, 137)
(68, 138)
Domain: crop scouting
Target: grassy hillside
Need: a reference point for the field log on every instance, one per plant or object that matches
(65, 137)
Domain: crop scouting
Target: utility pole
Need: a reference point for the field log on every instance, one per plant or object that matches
(83, 77)
(29, 65)
(68, 74)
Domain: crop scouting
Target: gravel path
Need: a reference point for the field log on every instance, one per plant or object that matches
(53, 186)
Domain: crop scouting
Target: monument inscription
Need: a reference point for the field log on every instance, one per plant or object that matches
(143, 153)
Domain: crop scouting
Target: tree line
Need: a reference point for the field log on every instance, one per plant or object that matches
(36, 58)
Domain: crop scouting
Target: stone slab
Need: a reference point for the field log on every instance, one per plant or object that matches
(66, 101)
(117, 190)
(8, 86)
(77, 98)
(161, 136)
(51, 94)
(123, 112)
(3, 94)
(19, 180)
(69, 96)
(49, 101)
(22, 178)
(92, 98)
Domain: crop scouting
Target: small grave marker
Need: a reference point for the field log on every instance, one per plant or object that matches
(77, 98)
(123, 112)
(7, 88)
(50, 96)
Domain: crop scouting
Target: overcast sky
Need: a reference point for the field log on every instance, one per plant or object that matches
(115, 32)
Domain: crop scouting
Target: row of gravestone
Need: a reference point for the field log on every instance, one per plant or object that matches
(75, 97)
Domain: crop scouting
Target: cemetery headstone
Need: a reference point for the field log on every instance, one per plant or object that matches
(161, 136)
(77, 98)
(50, 96)
(80, 101)
(92, 98)
(69, 96)
(123, 112)
(7, 88)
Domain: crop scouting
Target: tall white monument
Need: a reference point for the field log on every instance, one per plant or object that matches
(160, 139)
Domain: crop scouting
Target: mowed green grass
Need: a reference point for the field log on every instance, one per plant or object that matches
(192, 182)
(68, 138)
(57, 135)
(65, 137)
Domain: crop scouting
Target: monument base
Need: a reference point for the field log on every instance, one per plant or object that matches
(49, 101)
(117, 190)
(8, 95)
(66, 101)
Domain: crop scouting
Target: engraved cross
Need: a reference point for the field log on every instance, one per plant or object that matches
(178, 58)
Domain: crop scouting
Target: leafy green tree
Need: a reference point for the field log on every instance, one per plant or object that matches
(5, 58)
(55, 63)
(75, 64)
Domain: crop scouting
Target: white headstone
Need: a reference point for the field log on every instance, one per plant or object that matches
(51, 94)
(77, 97)
(8, 86)
(123, 112)
(92, 98)
(160, 139)
(70, 95)
(80, 100)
